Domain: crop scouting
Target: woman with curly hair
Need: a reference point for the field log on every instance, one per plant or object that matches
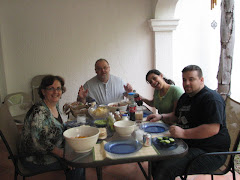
(43, 130)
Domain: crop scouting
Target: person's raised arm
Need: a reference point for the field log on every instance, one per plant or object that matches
(82, 94)
(128, 88)
(147, 101)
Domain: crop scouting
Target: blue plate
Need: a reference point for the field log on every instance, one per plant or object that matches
(123, 147)
(154, 127)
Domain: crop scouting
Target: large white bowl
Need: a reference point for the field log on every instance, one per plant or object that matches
(124, 127)
(122, 106)
(81, 145)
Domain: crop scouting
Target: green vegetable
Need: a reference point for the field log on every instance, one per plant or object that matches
(100, 122)
(167, 141)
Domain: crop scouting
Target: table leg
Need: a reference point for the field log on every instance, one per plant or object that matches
(99, 173)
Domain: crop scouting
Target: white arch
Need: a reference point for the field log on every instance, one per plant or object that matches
(165, 9)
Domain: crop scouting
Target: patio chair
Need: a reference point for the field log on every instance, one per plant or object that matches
(18, 103)
(35, 83)
(10, 137)
(233, 125)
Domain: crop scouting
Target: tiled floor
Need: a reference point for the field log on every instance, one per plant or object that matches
(116, 172)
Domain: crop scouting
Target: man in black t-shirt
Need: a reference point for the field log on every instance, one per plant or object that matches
(201, 123)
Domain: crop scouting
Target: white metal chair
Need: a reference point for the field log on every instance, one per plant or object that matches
(18, 104)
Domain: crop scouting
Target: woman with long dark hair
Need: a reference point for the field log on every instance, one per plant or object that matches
(165, 96)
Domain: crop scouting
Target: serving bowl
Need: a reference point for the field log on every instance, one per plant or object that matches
(81, 139)
(122, 106)
(100, 112)
(124, 127)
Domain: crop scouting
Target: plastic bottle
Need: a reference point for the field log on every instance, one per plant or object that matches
(132, 110)
(131, 97)
(125, 117)
(138, 100)
(111, 120)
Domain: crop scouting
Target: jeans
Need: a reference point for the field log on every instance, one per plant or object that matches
(74, 174)
(170, 169)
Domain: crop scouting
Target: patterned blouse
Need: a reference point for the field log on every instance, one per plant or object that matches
(41, 134)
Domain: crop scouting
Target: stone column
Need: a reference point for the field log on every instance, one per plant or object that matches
(162, 27)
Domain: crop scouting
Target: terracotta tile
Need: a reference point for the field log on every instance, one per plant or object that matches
(7, 176)
(129, 171)
(118, 170)
(91, 174)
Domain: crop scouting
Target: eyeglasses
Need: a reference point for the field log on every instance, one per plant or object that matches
(104, 68)
(52, 89)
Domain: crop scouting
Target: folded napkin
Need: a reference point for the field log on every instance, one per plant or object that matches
(100, 153)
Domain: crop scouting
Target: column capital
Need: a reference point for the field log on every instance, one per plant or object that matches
(163, 25)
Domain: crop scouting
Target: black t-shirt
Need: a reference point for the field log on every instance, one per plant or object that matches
(206, 107)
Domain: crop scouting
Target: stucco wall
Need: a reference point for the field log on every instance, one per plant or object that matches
(67, 37)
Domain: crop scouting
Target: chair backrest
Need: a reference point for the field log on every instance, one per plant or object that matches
(8, 130)
(19, 103)
(233, 124)
(233, 121)
(35, 83)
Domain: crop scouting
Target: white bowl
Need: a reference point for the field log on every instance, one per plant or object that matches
(122, 106)
(124, 127)
(81, 145)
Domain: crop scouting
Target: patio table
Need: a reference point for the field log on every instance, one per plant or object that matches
(92, 160)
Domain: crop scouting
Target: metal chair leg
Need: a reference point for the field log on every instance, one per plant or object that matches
(149, 170)
(212, 176)
(99, 173)
(15, 175)
(143, 171)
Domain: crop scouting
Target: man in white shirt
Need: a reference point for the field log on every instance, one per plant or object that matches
(104, 88)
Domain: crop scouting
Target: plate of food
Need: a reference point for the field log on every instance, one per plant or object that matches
(164, 142)
(121, 106)
(154, 127)
(123, 146)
